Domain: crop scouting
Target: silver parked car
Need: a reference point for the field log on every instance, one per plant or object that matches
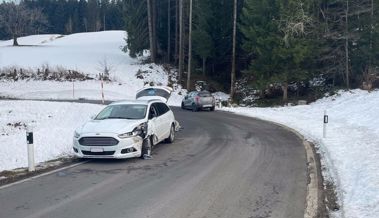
(198, 100)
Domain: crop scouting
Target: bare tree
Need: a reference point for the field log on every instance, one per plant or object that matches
(17, 20)
(105, 68)
(347, 45)
(176, 55)
(150, 21)
(233, 73)
(189, 48)
(168, 30)
(181, 40)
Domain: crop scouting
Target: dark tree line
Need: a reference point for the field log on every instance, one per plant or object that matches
(70, 16)
(212, 31)
(280, 43)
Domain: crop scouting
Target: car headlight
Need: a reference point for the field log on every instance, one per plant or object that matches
(76, 134)
(140, 130)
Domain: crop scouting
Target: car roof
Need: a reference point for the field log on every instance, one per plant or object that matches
(145, 102)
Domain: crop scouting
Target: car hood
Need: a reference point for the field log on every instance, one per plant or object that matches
(117, 126)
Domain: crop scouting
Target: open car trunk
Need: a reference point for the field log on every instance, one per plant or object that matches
(162, 93)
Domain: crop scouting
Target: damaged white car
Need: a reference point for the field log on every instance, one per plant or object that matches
(128, 129)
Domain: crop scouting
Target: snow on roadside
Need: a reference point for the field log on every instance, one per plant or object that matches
(351, 149)
(53, 124)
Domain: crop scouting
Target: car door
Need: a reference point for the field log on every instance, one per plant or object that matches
(159, 123)
(153, 124)
(164, 119)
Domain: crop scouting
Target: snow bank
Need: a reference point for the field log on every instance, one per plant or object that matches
(53, 125)
(351, 149)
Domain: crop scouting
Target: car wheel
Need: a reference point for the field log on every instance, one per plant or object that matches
(182, 106)
(194, 108)
(146, 148)
(212, 108)
(171, 137)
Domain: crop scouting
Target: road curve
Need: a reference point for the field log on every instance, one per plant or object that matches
(221, 165)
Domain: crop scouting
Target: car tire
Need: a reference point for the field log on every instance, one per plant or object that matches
(146, 146)
(194, 108)
(182, 106)
(212, 108)
(171, 137)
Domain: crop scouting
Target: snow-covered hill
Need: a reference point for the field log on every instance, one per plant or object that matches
(350, 152)
(88, 53)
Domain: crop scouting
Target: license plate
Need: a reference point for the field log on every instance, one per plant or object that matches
(207, 105)
(97, 150)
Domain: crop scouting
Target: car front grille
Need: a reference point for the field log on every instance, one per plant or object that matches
(98, 153)
(98, 141)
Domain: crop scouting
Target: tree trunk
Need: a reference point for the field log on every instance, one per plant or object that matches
(189, 48)
(347, 45)
(233, 73)
(176, 31)
(204, 64)
(104, 27)
(168, 31)
(371, 33)
(154, 24)
(285, 92)
(15, 43)
(181, 56)
(151, 34)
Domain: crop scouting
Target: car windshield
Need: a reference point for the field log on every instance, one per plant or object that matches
(123, 111)
(204, 94)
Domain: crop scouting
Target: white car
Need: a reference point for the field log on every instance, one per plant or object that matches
(128, 129)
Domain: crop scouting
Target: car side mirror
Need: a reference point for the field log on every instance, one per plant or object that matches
(93, 117)
(186, 97)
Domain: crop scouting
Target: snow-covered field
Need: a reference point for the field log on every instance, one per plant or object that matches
(83, 52)
(351, 149)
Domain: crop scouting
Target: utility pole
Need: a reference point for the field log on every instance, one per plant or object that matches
(189, 49)
(233, 73)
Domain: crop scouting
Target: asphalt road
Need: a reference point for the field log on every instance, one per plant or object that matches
(221, 165)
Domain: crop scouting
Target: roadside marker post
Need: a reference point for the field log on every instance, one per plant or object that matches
(30, 147)
(326, 120)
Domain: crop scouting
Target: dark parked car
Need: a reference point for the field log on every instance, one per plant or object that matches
(199, 100)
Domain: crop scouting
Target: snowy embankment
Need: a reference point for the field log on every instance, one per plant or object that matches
(53, 125)
(350, 151)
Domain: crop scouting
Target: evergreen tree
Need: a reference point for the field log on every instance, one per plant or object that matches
(274, 34)
(202, 41)
(135, 14)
